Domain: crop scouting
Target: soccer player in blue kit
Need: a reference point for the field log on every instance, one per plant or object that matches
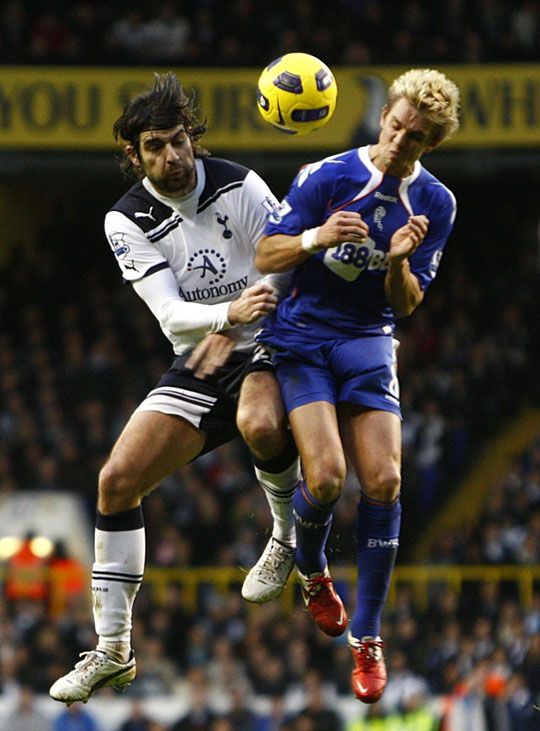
(364, 232)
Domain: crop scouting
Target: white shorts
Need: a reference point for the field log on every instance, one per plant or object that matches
(209, 404)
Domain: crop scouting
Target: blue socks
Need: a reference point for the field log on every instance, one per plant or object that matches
(377, 533)
(313, 522)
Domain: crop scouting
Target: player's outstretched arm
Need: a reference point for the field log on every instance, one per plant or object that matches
(160, 292)
(280, 252)
(402, 287)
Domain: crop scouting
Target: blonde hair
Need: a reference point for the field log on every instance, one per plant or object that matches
(433, 95)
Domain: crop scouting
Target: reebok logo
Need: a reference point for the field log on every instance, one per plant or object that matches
(383, 197)
(382, 543)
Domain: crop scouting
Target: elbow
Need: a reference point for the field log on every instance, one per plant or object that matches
(164, 315)
(405, 309)
(262, 264)
(262, 257)
(400, 312)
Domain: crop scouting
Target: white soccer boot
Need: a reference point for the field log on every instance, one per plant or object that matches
(96, 670)
(268, 577)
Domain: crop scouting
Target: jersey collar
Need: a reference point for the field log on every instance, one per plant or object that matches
(363, 153)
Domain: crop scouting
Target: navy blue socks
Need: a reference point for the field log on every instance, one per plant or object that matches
(377, 532)
(313, 522)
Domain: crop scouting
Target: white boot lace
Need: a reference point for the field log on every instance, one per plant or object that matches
(275, 558)
(92, 661)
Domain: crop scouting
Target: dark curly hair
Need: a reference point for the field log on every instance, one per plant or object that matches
(165, 106)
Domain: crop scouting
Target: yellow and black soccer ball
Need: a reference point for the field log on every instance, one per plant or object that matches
(297, 93)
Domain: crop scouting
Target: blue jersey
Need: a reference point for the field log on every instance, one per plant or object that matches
(339, 292)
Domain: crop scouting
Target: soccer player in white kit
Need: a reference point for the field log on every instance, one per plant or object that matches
(185, 237)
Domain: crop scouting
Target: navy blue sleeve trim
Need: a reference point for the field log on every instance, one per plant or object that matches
(156, 268)
(218, 194)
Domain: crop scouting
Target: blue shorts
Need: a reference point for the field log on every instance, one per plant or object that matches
(362, 371)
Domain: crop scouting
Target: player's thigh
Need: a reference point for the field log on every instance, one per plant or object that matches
(260, 398)
(261, 417)
(316, 433)
(152, 446)
(372, 443)
(260, 403)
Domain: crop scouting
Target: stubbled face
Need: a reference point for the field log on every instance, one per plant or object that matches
(167, 159)
(405, 135)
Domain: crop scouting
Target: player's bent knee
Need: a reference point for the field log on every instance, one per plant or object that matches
(117, 489)
(260, 432)
(326, 484)
(385, 488)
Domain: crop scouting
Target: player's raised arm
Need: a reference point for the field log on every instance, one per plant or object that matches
(280, 252)
(402, 287)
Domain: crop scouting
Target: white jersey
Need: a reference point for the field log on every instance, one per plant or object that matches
(189, 257)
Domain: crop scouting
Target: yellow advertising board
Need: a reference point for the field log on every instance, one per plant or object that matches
(66, 108)
(422, 719)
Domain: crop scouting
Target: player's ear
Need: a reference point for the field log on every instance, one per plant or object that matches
(438, 137)
(384, 114)
(132, 154)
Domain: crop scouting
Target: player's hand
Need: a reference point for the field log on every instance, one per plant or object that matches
(210, 354)
(254, 302)
(342, 226)
(408, 238)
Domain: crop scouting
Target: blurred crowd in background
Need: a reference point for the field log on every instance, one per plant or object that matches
(477, 649)
(250, 33)
(78, 352)
(73, 367)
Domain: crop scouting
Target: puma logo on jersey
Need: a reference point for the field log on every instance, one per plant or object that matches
(140, 214)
